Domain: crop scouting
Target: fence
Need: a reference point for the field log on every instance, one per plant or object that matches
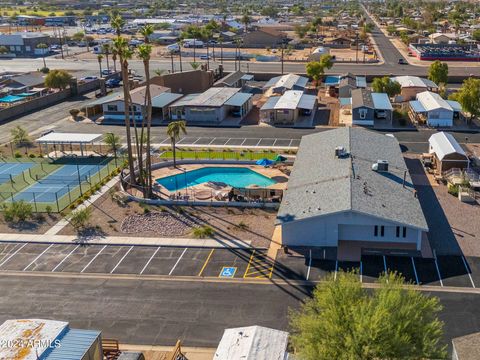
(55, 193)
(218, 155)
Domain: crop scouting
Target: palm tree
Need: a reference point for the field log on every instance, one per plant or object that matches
(106, 51)
(195, 65)
(144, 53)
(124, 53)
(246, 20)
(159, 72)
(99, 58)
(43, 47)
(173, 131)
(114, 58)
(146, 32)
(113, 142)
(117, 23)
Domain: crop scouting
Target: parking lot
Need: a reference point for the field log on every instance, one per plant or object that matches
(224, 141)
(456, 271)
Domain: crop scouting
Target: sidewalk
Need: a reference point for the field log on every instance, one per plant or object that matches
(125, 241)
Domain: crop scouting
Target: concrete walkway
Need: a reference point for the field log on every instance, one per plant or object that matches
(124, 240)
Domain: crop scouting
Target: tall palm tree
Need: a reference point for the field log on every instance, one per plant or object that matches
(146, 32)
(117, 23)
(124, 53)
(114, 58)
(100, 58)
(144, 53)
(43, 47)
(173, 131)
(106, 51)
(113, 142)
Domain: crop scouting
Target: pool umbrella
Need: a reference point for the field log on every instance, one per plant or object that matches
(280, 158)
(265, 162)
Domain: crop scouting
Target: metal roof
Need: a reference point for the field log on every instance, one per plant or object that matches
(432, 101)
(214, 97)
(238, 99)
(105, 99)
(321, 184)
(270, 103)
(73, 345)
(165, 99)
(307, 102)
(288, 81)
(67, 138)
(361, 81)
(417, 106)
(455, 105)
(443, 144)
(184, 100)
(414, 81)
(252, 342)
(289, 100)
(381, 101)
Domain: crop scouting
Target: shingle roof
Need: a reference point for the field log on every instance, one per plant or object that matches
(321, 184)
(362, 97)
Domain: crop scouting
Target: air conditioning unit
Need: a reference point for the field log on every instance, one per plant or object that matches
(380, 166)
(340, 152)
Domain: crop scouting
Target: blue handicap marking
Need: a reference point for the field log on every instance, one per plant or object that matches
(228, 272)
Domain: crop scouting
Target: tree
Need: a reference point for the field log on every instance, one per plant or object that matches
(106, 50)
(345, 321)
(386, 85)
(246, 20)
(476, 35)
(195, 65)
(173, 131)
(315, 69)
(469, 96)
(113, 142)
(80, 218)
(58, 79)
(20, 136)
(3, 50)
(117, 23)
(43, 47)
(78, 36)
(100, 58)
(438, 72)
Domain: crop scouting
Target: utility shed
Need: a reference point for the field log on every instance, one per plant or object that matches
(447, 152)
(335, 199)
(252, 343)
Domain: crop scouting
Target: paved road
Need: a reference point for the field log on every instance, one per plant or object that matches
(159, 312)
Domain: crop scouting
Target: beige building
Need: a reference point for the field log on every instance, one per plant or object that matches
(187, 82)
(263, 37)
(413, 85)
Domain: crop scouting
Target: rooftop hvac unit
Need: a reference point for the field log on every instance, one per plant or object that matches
(380, 165)
(340, 152)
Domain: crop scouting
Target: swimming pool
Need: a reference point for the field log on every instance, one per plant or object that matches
(238, 177)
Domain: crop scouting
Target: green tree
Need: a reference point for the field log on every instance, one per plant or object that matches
(58, 79)
(117, 23)
(386, 85)
(315, 69)
(20, 136)
(344, 321)
(44, 48)
(80, 218)
(391, 29)
(174, 129)
(3, 50)
(99, 59)
(113, 142)
(476, 35)
(78, 36)
(106, 49)
(469, 96)
(438, 72)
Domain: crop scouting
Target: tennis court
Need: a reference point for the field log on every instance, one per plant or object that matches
(10, 170)
(59, 183)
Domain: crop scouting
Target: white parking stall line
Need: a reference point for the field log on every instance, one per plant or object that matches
(415, 270)
(13, 254)
(309, 264)
(178, 260)
(38, 257)
(468, 270)
(8, 253)
(198, 139)
(290, 143)
(226, 142)
(123, 257)
(384, 264)
(243, 142)
(149, 260)
(274, 142)
(336, 270)
(438, 269)
(361, 271)
(65, 258)
(179, 141)
(93, 259)
(166, 140)
(258, 142)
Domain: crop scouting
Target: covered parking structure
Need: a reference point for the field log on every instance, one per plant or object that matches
(446, 152)
(76, 143)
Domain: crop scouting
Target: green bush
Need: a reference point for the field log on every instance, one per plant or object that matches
(17, 211)
(31, 156)
(80, 218)
(48, 209)
(453, 190)
(202, 232)
(18, 155)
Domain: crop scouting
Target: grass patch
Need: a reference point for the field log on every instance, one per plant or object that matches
(202, 232)
(219, 155)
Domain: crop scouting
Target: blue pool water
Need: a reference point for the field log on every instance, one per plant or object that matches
(238, 177)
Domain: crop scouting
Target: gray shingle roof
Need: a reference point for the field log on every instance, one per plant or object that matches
(362, 97)
(321, 184)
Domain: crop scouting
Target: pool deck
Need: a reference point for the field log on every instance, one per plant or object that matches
(273, 173)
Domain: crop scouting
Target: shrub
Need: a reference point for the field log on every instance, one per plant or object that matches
(45, 70)
(74, 113)
(202, 232)
(31, 156)
(453, 189)
(80, 218)
(17, 211)
(242, 225)
(18, 155)
(48, 209)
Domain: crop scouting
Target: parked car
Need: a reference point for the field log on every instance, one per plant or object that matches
(173, 48)
(107, 72)
(190, 43)
(88, 78)
(112, 83)
(381, 114)
(402, 61)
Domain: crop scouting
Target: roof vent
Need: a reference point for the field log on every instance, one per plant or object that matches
(380, 166)
(340, 152)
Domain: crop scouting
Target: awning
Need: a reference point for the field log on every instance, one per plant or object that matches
(238, 99)
(455, 105)
(247, 77)
(68, 138)
(270, 103)
(307, 102)
(417, 106)
(165, 99)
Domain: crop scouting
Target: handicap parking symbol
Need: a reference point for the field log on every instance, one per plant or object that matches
(227, 272)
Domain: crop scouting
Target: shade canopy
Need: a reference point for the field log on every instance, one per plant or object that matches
(265, 162)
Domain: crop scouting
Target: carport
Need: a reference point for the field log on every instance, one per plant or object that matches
(69, 139)
(447, 152)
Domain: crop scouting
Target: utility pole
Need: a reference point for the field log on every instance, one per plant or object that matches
(180, 56)
(356, 53)
(171, 57)
(283, 47)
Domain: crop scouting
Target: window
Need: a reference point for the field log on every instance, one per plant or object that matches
(375, 231)
(363, 113)
(397, 233)
(112, 108)
(382, 230)
(404, 231)
(28, 48)
(12, 48)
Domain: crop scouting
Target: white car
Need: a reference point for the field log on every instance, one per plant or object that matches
(173, 48)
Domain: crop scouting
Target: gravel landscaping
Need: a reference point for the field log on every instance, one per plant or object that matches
(159, 223)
